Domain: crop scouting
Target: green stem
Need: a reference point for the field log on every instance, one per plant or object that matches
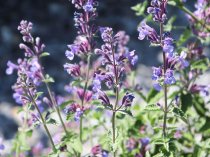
(116, 102)
(52, 99)
(165, 86)
(183, 8)
(43, 121)
(84, 93)
(56, 107)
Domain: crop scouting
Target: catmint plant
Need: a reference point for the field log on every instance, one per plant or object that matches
(163, 75)
(115, 57)
(31, 75)
(108, 113)
(82, 48)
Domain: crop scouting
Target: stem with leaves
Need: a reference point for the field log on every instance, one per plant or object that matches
(52, 99)
(183, 8)
(165, 110)
(84, 93)
(116, 102)
(42, 119)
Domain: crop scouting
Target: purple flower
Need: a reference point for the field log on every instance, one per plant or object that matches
(72, 69)
(106, 34)
(11, 67)
(158, 10)
(74, 49)
(28, 52)
(96, 150)
(76, 109)
(78, 114)
(131, 144)
(147, 31)
(157, 86)
(132, 57)
(168, 46)
(127, 99)
(87, 96)
(2, 147)
(25, 28)
(88, 7)
(103, 97)
(202, 89)
(38, 46)
(169, 77)
(157, 73)
(105, 153)
(145, 141)
(182, 61)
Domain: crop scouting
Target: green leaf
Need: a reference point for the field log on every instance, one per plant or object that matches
(177, 3)
(64, 104)
(152, 107)
(202, 64)
(168, 27)
(48, 79)
(184, 37)
(199, 105)
(29, 133)
(75, 144)
(186, 101)
(206, 125)
(140, 8)
(44, 54)
(38, 94)
(154, 96)
(126, 112)
(179, 113)
(51, 121)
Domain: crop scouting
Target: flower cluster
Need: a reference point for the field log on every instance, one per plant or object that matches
(158, 10)
(115, 57)
(28, 68)
(97, 150)
(84, 42)
(83, 48)
(203, 14)
(164, 74)
(140, 146)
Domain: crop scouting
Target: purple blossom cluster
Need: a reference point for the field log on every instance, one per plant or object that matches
(83, 47)
(115, 57)
(163, 74)
(28, 69)
(201, 13)
(97, 150)
(141, 145)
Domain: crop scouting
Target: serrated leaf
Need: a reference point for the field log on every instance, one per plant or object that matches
(179, 113)
(152, 107)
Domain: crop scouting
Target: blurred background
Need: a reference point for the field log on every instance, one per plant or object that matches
(53, 23)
